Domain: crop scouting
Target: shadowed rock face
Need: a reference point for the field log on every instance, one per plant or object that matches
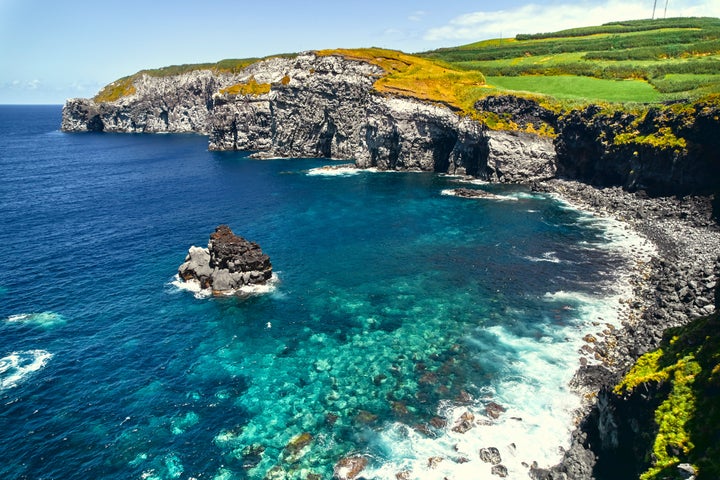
(588, 150)
(228, 263)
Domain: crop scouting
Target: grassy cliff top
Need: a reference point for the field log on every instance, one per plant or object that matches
(124, 86)
(426, 79)
(633, 61)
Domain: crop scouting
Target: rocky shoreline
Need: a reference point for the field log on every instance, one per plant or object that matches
(676, 286)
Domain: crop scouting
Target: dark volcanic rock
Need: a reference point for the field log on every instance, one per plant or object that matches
(349, 468)
(665, 152)
(228, 263)
(319, 106)
(521, 110)
(490, 455)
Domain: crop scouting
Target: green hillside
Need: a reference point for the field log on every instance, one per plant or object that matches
(640, 61)
(632, 61)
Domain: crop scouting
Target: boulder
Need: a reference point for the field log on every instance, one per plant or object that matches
(349, 468)
(228, 263)
(490, 455)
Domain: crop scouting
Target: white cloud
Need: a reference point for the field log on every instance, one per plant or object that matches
(417, 16)
(537, 18)
(23, 84)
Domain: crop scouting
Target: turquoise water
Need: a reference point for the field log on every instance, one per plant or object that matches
(397, 309)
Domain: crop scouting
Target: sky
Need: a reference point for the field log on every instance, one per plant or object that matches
(51, 50)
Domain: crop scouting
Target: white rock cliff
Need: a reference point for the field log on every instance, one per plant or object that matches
(318, 106)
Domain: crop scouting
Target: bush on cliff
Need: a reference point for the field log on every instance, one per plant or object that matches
(687, 421)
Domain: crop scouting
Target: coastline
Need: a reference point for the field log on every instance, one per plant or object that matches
(676, 286)
(669, 280)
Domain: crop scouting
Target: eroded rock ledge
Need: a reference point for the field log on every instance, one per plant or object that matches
(227, 264)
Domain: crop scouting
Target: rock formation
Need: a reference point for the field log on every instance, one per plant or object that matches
(318, 106)
(669, 150)
(228, 263)
(170, 104)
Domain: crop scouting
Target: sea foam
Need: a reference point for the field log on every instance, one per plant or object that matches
(43, 319)
(196, 289)
(337, 170)
(534, 385)
(18, 366)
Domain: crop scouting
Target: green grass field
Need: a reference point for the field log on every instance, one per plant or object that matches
(657, 60)
(582, 89)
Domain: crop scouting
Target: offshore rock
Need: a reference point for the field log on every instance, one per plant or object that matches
(490, 455)
(227, 264)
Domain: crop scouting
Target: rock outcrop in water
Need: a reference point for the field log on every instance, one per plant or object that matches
(228, 263)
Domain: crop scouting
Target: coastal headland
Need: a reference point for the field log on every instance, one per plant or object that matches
(652, 166)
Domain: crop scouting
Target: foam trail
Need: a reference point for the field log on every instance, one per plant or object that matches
(43, 319)
(346, 169)
(486, 196)
(550, 257)
(16, 367)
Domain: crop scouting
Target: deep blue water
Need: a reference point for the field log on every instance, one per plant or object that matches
(396, 304)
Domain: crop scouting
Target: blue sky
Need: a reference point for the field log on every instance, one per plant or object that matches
(51, 50)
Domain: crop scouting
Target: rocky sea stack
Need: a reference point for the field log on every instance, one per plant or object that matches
(229, 263)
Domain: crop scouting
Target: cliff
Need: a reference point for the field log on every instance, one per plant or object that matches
(315, 105)
(159, 104)
(662, 150)
(327, 105)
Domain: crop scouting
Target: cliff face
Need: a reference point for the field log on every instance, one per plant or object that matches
(317, 106)
(174, 104)
(670, 150)
(325, 106)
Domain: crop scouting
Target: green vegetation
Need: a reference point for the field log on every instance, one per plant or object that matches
(674, 58)
(570, 87)
(421, 78)
(251, 87)
(688, 418)
(114, 91)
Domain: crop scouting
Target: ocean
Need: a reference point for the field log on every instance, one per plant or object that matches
(407, 327)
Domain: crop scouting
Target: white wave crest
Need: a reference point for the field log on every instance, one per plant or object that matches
(16, 367)
(43, 319)
(346, 169)
(194, 287)
(485, 196)
(550, 257)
